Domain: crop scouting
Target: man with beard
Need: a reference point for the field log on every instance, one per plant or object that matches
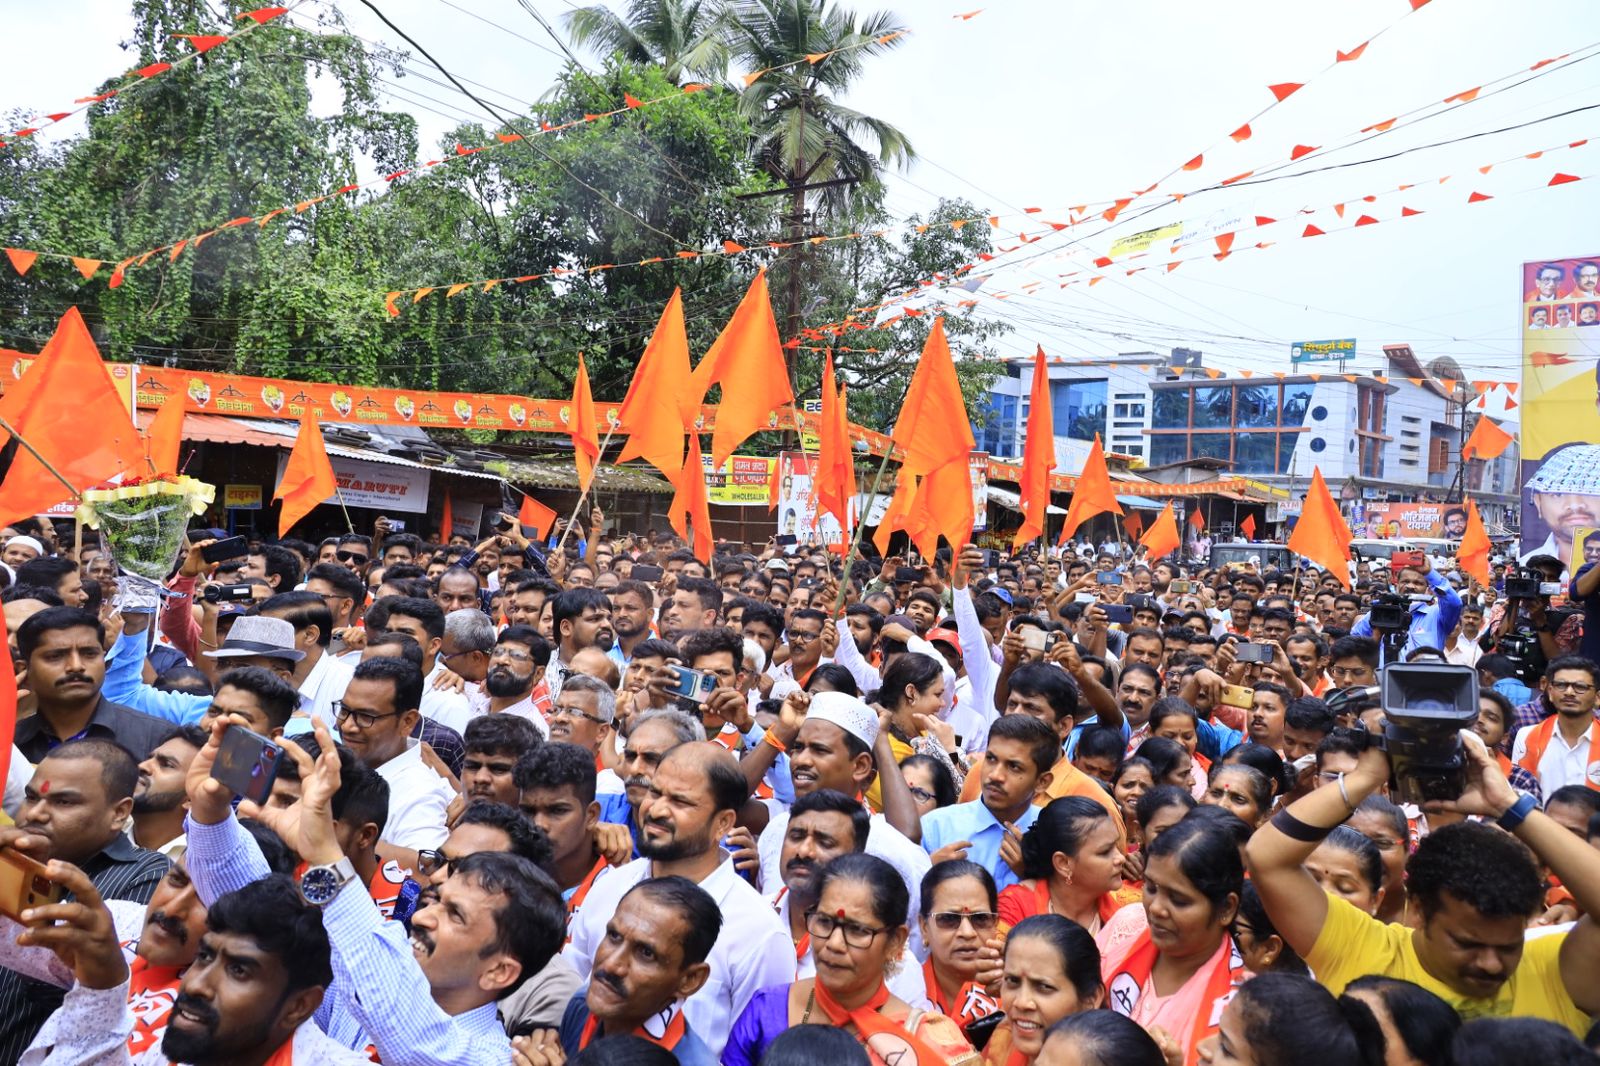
(160, 801)
(584, 715)
(516, 669)
(632, 604)
(652, 959)
(864, 623)
(822, 826)
(655, 732)
(556, 787)
(581, 619)
(694, 605)
(494, 744)
(526, 600)
(693, 802)
(159, 940)
(247, 1000)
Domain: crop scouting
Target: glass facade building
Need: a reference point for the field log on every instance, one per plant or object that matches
(1251, 427)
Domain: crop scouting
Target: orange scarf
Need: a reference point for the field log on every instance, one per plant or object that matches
(670, 1024)
(1108, 905)
(971, 1001)
(1539, 740)
(890, 1041)
(802, 945)
(580, 893)
(1126, 985)
(151, 990)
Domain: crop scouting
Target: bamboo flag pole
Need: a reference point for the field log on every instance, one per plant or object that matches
(861, 524)
(20, 439)
(583, 492)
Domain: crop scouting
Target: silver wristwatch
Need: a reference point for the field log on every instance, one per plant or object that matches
(319, 884)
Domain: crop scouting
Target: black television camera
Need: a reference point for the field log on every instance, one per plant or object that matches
(1425, 706)
(1389, 611)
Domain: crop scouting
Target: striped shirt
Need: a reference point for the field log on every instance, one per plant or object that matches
(122, 870)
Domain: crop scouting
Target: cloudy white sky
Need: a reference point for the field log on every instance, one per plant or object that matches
(1052, 104)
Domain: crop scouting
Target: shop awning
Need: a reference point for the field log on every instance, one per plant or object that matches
(1013, 501)
(1139, 503)
(561, 474)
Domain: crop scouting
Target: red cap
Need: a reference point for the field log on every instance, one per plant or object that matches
(945, 636)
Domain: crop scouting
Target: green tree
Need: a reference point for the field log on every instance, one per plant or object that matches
(681, 36)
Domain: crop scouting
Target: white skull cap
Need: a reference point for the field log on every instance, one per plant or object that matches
(846, 712)
(1574, 470)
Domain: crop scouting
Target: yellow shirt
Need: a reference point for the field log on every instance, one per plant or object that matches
(1353, 943)
(902, 752)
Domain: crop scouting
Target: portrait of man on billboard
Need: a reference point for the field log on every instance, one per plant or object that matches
(1547, 283)
(1455, 523)
(1565, 495)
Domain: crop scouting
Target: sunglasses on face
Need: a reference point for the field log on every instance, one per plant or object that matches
(350, 557)
(950, 921)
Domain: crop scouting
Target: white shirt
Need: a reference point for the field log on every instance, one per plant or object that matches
(1561, 765)
(18, 773)
(753, 951)
(1464, 653)
(883, 840)
(607, 783)
(449, 709)
(324, 685)
(905, 980)
(418, 799)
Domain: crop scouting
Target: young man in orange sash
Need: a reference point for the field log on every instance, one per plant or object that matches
(1564, 749)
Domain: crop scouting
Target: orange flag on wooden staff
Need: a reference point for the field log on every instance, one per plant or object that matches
(936, 435)
(1248, 527)
(536, 516)
(1473, 554)
(652, 413)
(1197, 520)
(1134, 524)
(307, 479)
(1321, 534)
(1038, 456)
(67, 408)
(774, 485)
(166, 438)
(835, 476)
(747, 360)
(1486, 441)
(1162, 536)
(689, 499)
(1092, 494)
(583, 427)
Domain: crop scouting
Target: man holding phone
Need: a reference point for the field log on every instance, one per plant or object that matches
(1431, 623)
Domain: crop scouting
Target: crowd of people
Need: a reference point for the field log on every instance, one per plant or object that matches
(602, 802)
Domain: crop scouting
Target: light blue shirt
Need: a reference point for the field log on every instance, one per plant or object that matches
(1431, 624)
(976, 824)
(124, 684)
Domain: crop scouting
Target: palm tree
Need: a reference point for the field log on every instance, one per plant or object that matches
(684, 36)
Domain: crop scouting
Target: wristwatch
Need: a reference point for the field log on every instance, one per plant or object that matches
(1518, 812)
(319, 884)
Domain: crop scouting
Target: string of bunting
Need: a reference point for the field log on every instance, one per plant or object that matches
(202, 42)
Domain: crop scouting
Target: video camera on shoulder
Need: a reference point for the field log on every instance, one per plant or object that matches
(1389, 610)
(1425, 707)
(1526, 585)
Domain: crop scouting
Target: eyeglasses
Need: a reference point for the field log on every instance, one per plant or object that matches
(856, 935)
(950, 921)
(1571, 686)
(559, 711)
(350, 557)
(921, 795)
(430, 861)
(364, 719)
(802, 638)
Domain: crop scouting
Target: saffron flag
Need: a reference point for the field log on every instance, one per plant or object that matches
(66, 407)
(1197, 520)
(1092, 494)
(653, 413)
(447, 520)
(835, 477)
(1486, 441)
(1134, 524)
(536, 516)
(689, 500)
(1321, 534)
(1248, 527)
(1473, 554)
(583, 427)
(1162, 536)
(894, 516)
(936, 435)
(307, 479)
(1038, 456)
(774, 485)
(166, 438)
(747, 360)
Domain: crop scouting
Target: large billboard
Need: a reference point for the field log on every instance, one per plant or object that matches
(1402, 521)
(798, 514)
(1322, 351)
(1559, 307)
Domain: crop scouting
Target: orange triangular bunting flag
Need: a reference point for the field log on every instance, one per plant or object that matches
(166, 437)
(535, 516)
(583, 427)
(203, 42)
(87, 267)
(1464, 97)
(1366, 220)
(307, 479)
(1311, 231)
(1162, 537)
(1563, 179)
(1092, 494)
(1286, 89)
(1242, 133)
(655, 412)
(1352, 55)
(1479, 197)
(1224, 242)
(1038, 455)
(1407, 212)
(66, 406)
(1300, 150)
(1321, 534)
(21, 260)
(1472, 555)
(1195, 163)
(747, 360)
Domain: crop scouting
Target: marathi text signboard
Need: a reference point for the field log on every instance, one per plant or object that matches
(1322, 351)
(377, 485)
(1559, 307)
(1402, 521)
(742, 481)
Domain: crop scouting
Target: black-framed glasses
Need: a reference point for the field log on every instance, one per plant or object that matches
(351, 557)
(559, 711)
(822, 927)
(802, 638)
(921, 795)
(364, 719)
(1570, 686)
(950, 921)
(430, 861)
